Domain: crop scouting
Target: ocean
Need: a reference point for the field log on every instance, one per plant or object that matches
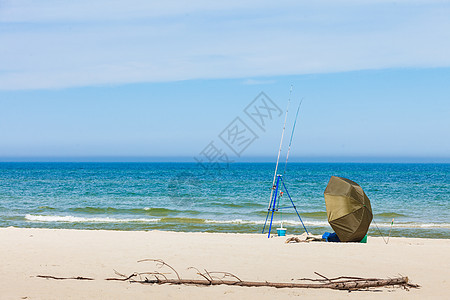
(234, 198)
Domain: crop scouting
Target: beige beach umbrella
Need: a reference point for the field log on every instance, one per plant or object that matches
(348, 209)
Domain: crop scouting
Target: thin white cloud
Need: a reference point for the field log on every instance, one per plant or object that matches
(52, 44)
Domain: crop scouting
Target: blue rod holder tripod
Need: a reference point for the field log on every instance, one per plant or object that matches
(273, 205)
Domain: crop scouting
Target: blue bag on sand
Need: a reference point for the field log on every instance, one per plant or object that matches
(331, 237)
(326, 235)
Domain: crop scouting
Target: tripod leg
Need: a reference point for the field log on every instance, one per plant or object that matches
(268, 212)
(274, 205)
(293, 205)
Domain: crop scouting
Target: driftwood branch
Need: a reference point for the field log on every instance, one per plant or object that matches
(327, 279)
(338, 283)
(347, 285)
(225, 274)
(64, 278)
(155, 274)
(200, 273)
(308, 239)
(161, 263)
(140, 274)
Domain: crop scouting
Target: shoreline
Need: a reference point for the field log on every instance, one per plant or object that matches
(273, 235)
(230, 227)
(28, 252)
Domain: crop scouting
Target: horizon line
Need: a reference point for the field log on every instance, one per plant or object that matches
(250, 159)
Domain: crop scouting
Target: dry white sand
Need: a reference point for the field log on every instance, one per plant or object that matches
(25, 253)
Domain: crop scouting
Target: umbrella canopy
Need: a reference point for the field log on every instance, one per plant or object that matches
(348, 209)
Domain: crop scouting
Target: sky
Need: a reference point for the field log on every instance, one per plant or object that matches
(162, 80)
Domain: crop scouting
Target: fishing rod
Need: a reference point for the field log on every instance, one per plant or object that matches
(292, 135)
(279, 150)
(392, 224)
(390, 230)
(273, 204)
(285, 166)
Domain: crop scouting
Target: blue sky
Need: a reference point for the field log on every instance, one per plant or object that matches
(162, 80)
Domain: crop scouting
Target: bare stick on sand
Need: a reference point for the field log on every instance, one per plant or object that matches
(337, 283)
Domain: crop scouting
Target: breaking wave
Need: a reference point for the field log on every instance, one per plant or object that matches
(73, 219)
(313, 223)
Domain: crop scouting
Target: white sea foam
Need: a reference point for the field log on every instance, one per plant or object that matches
(325, 223)
(72, 219)
(261, 222)
(235, 221)
(415, 225)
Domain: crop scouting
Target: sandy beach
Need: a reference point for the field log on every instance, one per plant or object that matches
(26, 253)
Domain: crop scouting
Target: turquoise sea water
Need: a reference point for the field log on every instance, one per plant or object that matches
(186, 197)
